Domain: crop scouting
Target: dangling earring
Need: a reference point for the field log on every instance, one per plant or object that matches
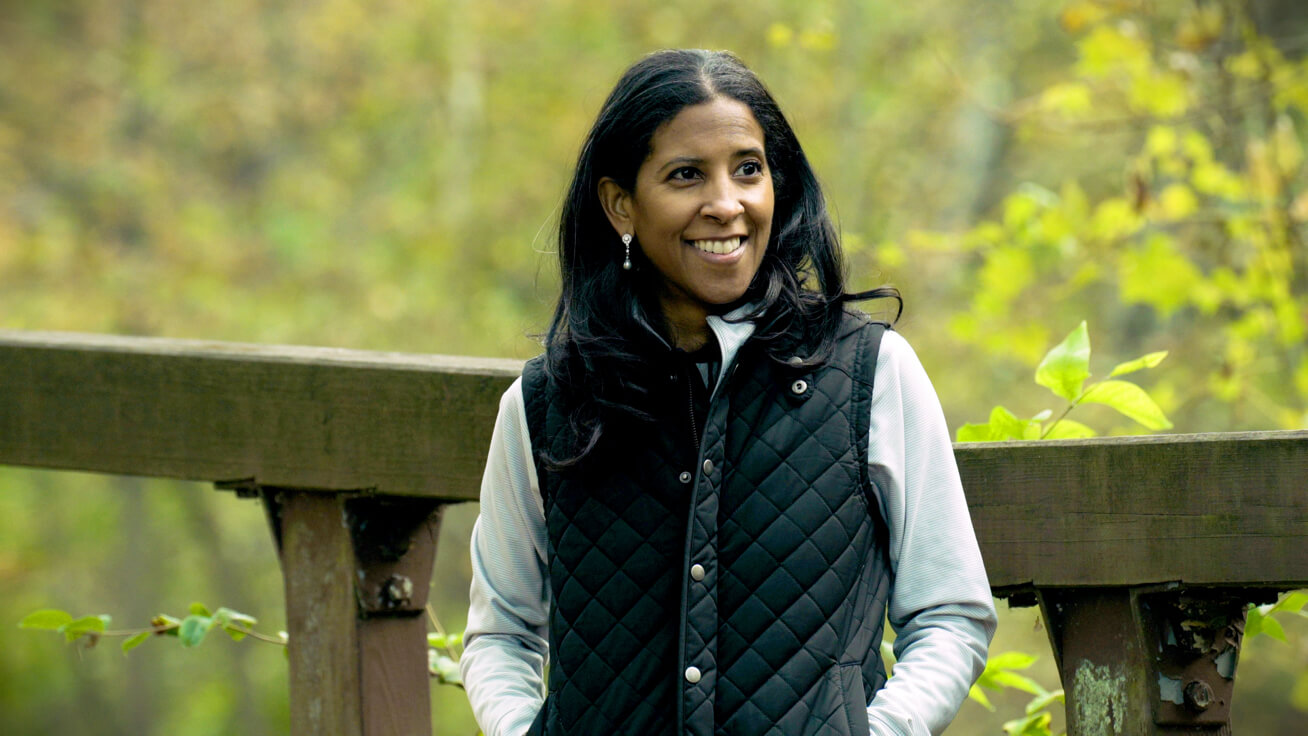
(626, 261)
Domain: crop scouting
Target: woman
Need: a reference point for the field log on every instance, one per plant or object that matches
(703, 499)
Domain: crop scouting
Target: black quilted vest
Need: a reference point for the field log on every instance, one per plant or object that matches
(739, 589)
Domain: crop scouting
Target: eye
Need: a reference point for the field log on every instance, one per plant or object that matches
(685, 173)
(750, 168)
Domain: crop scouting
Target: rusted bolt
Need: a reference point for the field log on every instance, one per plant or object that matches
(396, 592)
(1198, 696)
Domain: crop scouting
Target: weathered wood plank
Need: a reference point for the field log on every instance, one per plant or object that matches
(321, 615)
(281, 416)
(1225, 509)
(1206, 509)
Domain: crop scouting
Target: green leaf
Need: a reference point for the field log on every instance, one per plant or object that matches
(193, 630)
(437, 641)
(1036, 724)
(51, 619)
(1067, 366)
(444, 669)
(1006, 423)
(1272, 628)
(456, 639)
(1011, 661)
(1041, 702)
(85, 625)
(1292, 602)
(888, 656)
(979, 695)
(1253, 623)
(1130, 400)
(136, 641)
(1008, 678)
(167, 624)
(236, 624)
(1144, 361)
(199, 609)
(977, 433)
(1068, 429)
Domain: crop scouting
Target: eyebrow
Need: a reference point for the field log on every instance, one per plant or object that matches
(696, 161)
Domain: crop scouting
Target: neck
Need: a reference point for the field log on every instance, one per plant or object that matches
(687, 327)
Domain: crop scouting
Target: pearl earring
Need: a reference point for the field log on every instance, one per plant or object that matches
(626, 261)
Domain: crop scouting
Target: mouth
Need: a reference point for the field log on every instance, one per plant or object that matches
(720, 247)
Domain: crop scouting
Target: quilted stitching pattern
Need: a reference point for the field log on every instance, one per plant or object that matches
(795, 583)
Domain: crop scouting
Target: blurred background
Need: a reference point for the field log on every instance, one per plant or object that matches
(386, 175)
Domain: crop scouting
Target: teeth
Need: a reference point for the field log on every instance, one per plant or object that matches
(720, 247)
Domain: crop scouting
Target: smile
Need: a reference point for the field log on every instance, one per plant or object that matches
(718, 247)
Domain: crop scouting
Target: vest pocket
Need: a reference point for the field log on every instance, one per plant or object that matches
(851, 684)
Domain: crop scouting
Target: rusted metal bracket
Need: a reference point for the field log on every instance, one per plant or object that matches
(1147, 659)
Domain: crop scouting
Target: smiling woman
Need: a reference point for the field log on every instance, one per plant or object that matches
(701, 212)
(703, 500)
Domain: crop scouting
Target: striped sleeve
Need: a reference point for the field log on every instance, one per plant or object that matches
(506, 642)
(940, 607)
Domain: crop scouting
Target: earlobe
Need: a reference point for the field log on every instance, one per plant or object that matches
(616, 203)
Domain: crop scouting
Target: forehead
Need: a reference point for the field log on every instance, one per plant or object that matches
(719, 125)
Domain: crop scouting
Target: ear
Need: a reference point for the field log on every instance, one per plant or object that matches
(617, 204)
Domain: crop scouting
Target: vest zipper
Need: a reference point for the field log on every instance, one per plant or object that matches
(694, 425)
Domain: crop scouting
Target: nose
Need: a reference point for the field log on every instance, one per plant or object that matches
(723, 202)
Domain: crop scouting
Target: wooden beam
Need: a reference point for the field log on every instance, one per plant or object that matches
(321, 418)
(1222, 509)
(1200, 509)
(318, 567)
(357, 574)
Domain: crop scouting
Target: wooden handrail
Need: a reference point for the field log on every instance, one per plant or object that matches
(296, 417)
(1120, 535)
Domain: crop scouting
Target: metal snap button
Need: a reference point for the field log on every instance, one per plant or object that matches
(799, 387)
(685, 476)
(708, 467)
(697, 572)
(693, 675)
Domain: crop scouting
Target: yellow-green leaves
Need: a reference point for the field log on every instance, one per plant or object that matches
(1261, 619)
(1002, 671)
(1131, 366)
(1064, 371)
(46, 618)
(1003, 425)
(190, 631)
(1066, 367)
(1130, 400)
(51, 619)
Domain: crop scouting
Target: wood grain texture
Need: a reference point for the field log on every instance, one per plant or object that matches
(321, 616)
(1222, 509)
(1205, 509)
(272, 415)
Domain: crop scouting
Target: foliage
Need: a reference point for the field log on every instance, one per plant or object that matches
(189, 631)
(1202, 248)
(1064, 371)
(1002, 671)
(1263, 619)
(384, 175)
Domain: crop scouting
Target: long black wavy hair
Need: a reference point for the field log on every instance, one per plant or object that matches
(603, 343)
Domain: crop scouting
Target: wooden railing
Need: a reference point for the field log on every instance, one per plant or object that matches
(1142, 552)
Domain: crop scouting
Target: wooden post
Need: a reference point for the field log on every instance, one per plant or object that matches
(1148, 659)
(357, 572)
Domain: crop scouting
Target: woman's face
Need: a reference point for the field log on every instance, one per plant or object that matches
(702, 207)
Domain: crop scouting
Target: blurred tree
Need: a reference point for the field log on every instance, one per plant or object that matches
(385, 175)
